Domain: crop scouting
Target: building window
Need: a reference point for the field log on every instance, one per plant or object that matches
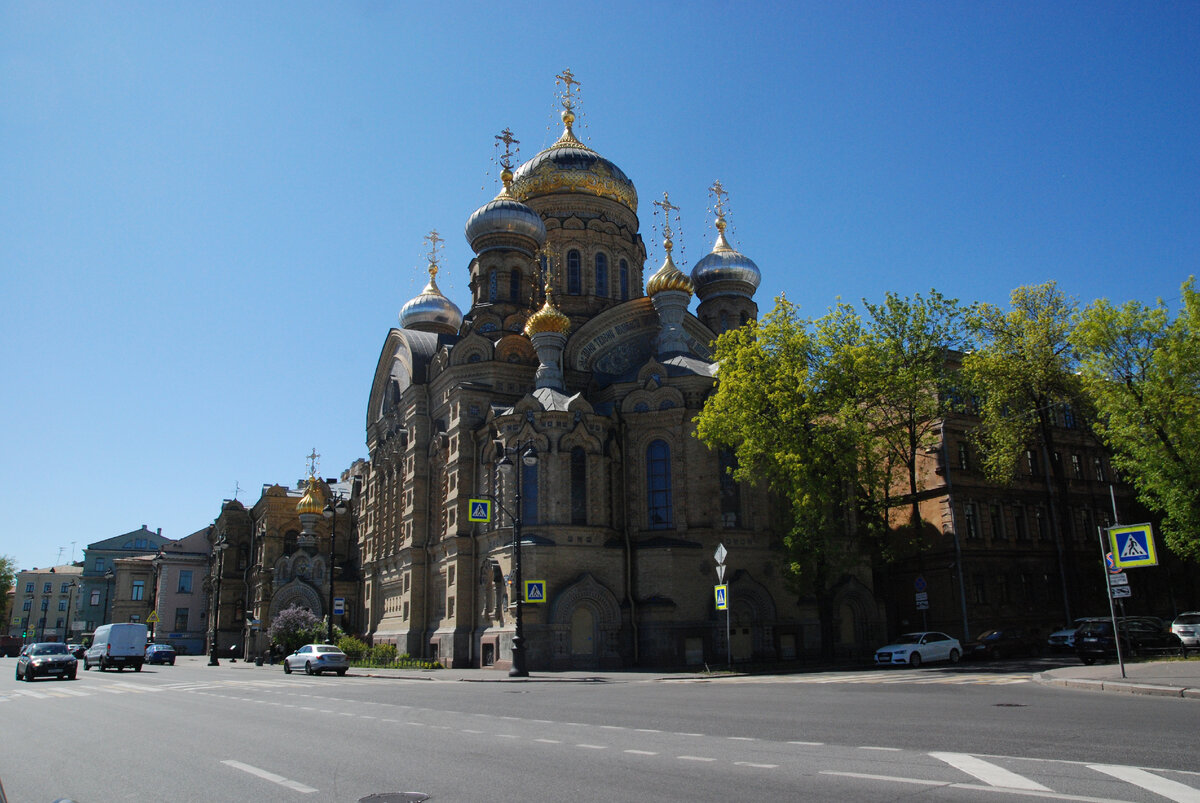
(1068, 416)
(185, 581)
(578, 486)
(964, 462)
(624, 271)
(1076, 466)
(997, 517)
(28, 605)
(1098, 466)
(1021, 525)
(574, 280)
(29, 587)
(731, 497)
(58, 623)
(971, 519)
(95, 599)
(98, 565)
(45, 604)
(602, 275)
(979, 589)
(46, 587)
(1043, 525)
(658, 485)
(133, 617)
(139, 590)
(493, 290)
(66, 587)
(1031, 462)
(514, 285)
(529, 494)
(724, 325)
(181, 618)
(62, 604)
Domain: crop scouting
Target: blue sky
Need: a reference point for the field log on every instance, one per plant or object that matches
(212, 212)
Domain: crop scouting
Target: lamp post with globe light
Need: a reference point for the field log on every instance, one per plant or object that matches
(335, 506)
(529, 458)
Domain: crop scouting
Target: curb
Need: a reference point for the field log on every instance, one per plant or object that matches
(1122, 687)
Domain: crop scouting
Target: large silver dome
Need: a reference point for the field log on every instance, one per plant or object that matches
(505, 223)
(725, 272)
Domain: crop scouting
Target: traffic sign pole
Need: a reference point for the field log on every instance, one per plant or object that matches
(1112, 612)
(719, 556)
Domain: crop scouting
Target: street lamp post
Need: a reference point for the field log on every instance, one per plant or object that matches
(218, 563)
(333, 507)
(70, 593)
(529, 457)
(109, 576)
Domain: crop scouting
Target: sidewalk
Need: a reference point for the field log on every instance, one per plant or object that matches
(1158, 678)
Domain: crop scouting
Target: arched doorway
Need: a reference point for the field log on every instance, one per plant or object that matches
(583, 638)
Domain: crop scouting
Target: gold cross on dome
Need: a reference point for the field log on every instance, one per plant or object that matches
(667, 207)
(717, 191)
(314, 460)
(434, 240)
(506, 136)
(567, 78)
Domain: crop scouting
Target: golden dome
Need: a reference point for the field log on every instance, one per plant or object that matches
(313, 501)
(547, 319)
(669, 277)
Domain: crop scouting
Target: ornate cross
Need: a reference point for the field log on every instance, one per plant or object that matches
(434, 240)
(567, 78)
(667, 207)
(313, 461)
(717, 191)
(506, 136)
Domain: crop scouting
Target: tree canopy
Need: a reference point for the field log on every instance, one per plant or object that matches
(1142, 370)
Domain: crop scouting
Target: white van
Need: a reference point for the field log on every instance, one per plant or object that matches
(118, 645)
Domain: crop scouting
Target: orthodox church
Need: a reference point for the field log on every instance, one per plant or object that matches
(557, 412)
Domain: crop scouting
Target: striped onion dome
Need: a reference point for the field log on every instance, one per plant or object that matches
(313, 501)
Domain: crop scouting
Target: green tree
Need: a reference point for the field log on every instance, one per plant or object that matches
(788, 403)
(294, 627)
(8, 576)
(1023, 373)
(1143, 370)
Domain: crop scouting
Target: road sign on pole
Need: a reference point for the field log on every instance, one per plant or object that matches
(722, 595)
(479, 510)
(1119, 592)
(1133, 546)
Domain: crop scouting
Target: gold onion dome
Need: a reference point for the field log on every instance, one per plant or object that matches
(668, 277)
(724, 271)
(313, 501)
(505, 222)
(431, 311)
(569, 166)
(547, 319)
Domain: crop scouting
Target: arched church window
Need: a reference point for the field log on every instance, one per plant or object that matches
(744, 319)
(624, 279)
(602, 275)
(574, 278)
(529, 494)
(724, 322)
(578, 486)
(514, 285)
(658, 485)
(493, 290)
(731, 498)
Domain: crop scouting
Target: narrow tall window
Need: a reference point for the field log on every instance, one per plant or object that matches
(185, 581)
(1098, 466)
(181, 618)
(493, 289)
(529, 494)
(964, 458)
(602, 275)
(514, 285)
(574, 279)
(624, 280)
(1076, 466)
(658, 485)
(139, 590)
(997, 522)
(731, 498)
(578, 486)
(971, 519)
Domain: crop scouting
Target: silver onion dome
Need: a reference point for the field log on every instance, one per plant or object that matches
(505, 223)
(725, 272)
(431, 311)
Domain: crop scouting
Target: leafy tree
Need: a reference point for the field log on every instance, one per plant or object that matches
(1023, 372)
(788, 402)
(1143, 370)
(294, 627)
(8, 575)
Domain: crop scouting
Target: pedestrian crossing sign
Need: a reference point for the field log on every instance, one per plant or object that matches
(1133, 546)
(480, 510)
(535, 590)
(722, 594)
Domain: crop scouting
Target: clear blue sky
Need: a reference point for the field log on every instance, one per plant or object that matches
(211, 213)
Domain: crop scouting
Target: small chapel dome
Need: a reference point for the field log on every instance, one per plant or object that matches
(431, 311)
(505, 222)
(724, 271)
(547, 319)
(313, 501)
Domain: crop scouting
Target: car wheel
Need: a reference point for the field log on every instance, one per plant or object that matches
(341, 672)
(137, 667)
(71, 676)
(29, 674)
(914, 660)
(18, 673)
(287, 668)
(1087, 660)
(954, 656)
(308, 670)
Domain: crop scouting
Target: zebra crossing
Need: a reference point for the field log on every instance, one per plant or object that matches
(66, 690)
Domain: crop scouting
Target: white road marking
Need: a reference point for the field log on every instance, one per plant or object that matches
(741, 738)
(755, 766)
(593, 746)
(988, 772)
(1171, 790)
(641, 752)
(295, 786)
(694, 758)
(974, 787)
(647, 730)
(548, 741)
(31, 693)
(808, 744)
(892, 778)
(882, 749)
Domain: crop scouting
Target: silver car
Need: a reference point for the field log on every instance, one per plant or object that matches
(316, 659)
(1187, 627)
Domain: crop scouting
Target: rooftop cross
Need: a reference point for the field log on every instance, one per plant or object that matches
(667, 207)
(506, 136)
(314, 460)
(567, 78)
(434, 240)
(717, 191)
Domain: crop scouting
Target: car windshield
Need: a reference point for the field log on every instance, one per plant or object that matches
(909, 638)
(49, 649)
(324, 648)
(1188, 619)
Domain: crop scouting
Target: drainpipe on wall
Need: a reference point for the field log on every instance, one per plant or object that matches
(629, 595)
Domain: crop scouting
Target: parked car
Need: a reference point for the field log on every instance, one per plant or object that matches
(1064, 640)
(77, 650)
(120, 644)
(46, 658)
(316, 659)
(914, 649)
(160, 654)
(997, 644)
(1187, 627)
(1139, 635)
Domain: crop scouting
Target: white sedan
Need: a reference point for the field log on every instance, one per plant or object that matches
(316, 659)
(914, 649)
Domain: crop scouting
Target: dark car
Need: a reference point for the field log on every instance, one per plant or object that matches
(48, 658)
(996, 644)
(1139, 636)
(160, 654)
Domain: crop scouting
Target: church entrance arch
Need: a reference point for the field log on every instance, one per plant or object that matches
(585, 621)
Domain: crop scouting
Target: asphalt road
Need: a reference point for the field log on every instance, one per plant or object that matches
(196, 733)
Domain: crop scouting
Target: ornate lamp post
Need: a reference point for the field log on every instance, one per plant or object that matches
(332, 508)
(109, 576)
(529, 457)
(70, 593)
(219, 564)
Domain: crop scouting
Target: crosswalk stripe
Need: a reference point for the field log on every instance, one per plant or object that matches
(31, 693)
(1171, 790)
(988, 772)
